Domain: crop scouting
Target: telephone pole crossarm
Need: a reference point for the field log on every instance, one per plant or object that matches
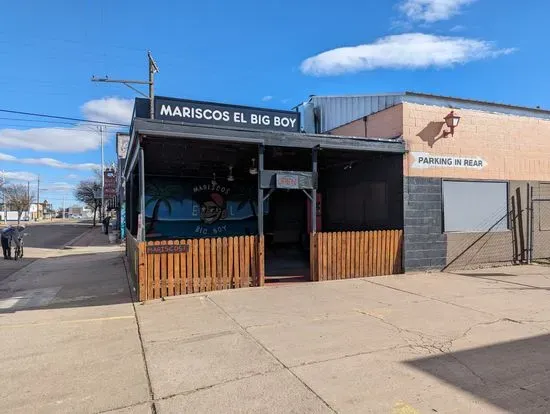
(153, 68)
(107, 79)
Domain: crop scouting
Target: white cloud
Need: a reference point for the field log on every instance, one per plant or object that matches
(72, 177)
(51, 139)
(113, 109)
(49, 162)
(405, 51)
(430, 11)
(267, 98)
(457, 28)
(19, 176)
(80, 138)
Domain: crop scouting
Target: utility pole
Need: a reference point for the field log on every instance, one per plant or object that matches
(101, 213)
(153, 68)
(63, 211)
(29, 216)
(38, 199)
(2, 184)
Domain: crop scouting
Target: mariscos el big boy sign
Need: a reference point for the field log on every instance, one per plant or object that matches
(209, 113)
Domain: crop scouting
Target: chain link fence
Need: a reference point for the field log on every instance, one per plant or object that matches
(539, 225)
(524, 238)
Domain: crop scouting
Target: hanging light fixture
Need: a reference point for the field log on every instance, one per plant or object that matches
(214, 182)
(230, 177)
(253, 170)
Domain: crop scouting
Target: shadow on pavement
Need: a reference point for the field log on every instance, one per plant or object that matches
(514, 376)
(484, 274)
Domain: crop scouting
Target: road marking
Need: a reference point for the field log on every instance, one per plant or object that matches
(9, 303)
(110, 318)
(404, 408)
(31, 298)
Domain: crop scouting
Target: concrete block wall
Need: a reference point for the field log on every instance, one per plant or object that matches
(425, 244)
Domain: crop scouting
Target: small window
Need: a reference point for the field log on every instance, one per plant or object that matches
(470, 206)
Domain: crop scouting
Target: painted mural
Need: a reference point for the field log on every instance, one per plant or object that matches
(199, 208)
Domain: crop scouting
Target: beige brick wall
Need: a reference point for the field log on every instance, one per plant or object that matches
(514, 147)
(384, 124)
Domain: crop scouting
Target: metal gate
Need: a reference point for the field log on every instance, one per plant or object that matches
(538, 238)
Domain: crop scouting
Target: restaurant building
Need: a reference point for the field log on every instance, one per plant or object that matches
(476, 175)
(222, 196)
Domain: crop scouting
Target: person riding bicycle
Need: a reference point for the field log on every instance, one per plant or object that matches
(8, 235)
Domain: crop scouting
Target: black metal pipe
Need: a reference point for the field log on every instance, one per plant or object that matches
(260, 191)
(314, 191)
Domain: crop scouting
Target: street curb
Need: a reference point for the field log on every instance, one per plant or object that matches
(77, 238)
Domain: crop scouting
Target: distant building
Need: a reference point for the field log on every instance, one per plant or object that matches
(76, 211)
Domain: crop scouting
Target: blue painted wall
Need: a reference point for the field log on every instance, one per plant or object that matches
(191, 208)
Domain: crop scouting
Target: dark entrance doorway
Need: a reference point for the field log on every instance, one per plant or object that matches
(286, 236)
(288, 183)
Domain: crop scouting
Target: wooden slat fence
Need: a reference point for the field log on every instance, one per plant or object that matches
(132, 252)
(207, 265)
(344, 255)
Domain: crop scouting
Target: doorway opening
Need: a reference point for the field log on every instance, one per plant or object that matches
(286, 237)
(286, 226)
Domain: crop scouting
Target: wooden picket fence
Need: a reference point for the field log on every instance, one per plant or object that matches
(178, 267)
(344, 255)
(201, 265)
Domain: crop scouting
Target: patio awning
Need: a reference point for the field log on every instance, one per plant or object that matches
(144, 128)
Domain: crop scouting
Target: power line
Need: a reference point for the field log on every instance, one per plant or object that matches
(63, 117)
(37, 120)
(19, 126)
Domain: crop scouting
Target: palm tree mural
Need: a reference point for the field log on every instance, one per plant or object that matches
(160, 194)
(245, 195)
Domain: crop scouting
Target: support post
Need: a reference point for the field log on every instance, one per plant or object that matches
(521, 229)
(261, 245)
(528, 224)
(260, 191)
(313, 254)
(141, 230)
(532, 225)
(314, 191)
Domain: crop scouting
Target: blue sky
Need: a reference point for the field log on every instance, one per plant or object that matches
(246, 52)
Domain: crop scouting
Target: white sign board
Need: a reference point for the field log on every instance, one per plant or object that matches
(426, 160)
(122, 144)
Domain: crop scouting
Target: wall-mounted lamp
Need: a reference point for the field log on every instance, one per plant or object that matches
(230, 177)
(452, 122)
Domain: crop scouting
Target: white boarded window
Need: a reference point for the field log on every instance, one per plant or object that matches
(473, 206)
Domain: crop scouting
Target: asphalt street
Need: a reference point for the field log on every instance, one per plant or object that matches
(53, 236)
(42, 236)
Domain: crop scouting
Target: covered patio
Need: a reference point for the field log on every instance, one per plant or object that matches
(211, 208)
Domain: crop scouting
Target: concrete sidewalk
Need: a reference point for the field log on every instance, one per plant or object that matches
(470, 342)
(476, 342)
(70, 338)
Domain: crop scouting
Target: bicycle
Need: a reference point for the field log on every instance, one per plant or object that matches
(19, 250)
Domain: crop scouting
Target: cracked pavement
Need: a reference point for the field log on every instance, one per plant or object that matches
(471, 342)
(416, 343)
